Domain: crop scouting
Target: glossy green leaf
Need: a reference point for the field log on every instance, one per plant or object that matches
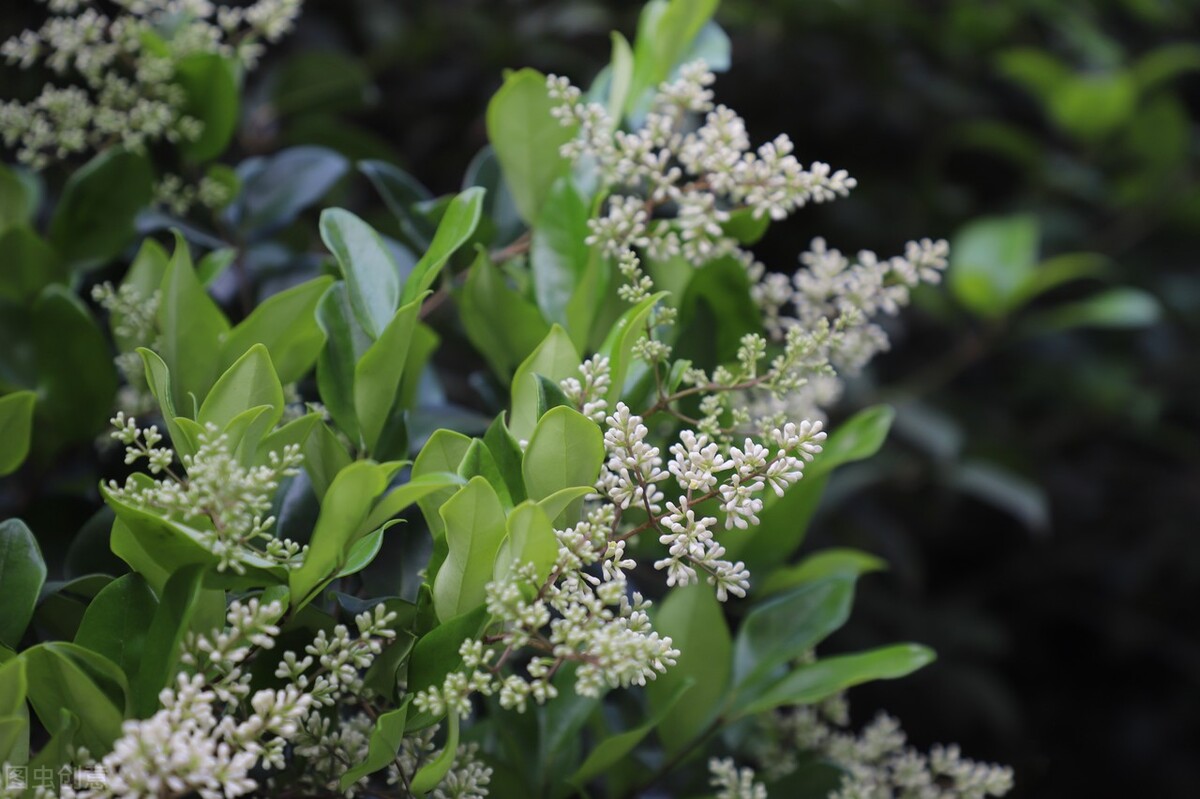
(14, 712)
(457, 225)
(566, 449)
(555, 358)
(475, 528)
(429, 775)
(22, 573)
(251, 382)
(478, 462)
(158, 378)
(558, 254)
(118, 620)
(442, 453)
(403, 496)
(324, 458)
(436, 653)
(16, 427)
(527, 140)
(364, 550)
(276, 189)
(63, 676)
(401, 192)
(210, 90)
(812, 682)
(694, 620)
(508, 456)
(345, 342)
(286, 324)
(378, 373)
(786, 627)
(857, 438)
(93, 220)
(666, 32)
(372, 277)
(530, 539)
(192, 328)
(382, 746)
(621, 78)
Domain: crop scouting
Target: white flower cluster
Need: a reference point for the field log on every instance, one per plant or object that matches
(732, 782)
(588, 391)
(877, 761)
(703, 470)
(700, 176)
(133, 319)
(125, 65)
(223, 499)
(211, 731)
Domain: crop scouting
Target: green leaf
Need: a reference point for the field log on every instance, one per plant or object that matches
(372, 277)
(666, 32)
(276, 189)
(192, 328)
(990, 260)
(478, 462)
(16, 426)
(182, 598)
(286, 325)
(93, 220)
(382, 746)
(508, 456)
(416, 489)
(693, 619)
(345, 342)
(618, 346)
(442, 453)
(30, 264)
(504, 326)
(1165, 63)
(436, 654)
(527, 140)
(785, 627)
(401, 192)
(557, 503)
(457, 225)
(379, 371)
(1091, 105)
(429, 775)
(530, 539)
(1119, 308)
(1019, 497)
(813, 682)
(158, 378)
(251, 382)
(22, 573)
(826, 563)
(613, 748)
(117, 622)
(14, 712)
(621, 79)
(856, 439)
(365, 550)
(324, 458)
(18, 199)
(475, 527)
(344, 508)
(1054, 272)
(555, 358)
(566, 449)
(210, 88)
(558, 253)
(64, 676)
(77, 383)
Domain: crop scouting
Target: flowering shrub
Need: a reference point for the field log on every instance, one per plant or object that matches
(593, 590)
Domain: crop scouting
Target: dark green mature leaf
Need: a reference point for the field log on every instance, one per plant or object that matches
(1005, 490)
(555, 358)
(401, 192)
(276, 189)
(192, 327)
(18, 199)
(436, 654)
(93, 220)
(286, 325)
(856, 439)
(22, 573)
(372, 277)
(565, 450)
(475, 528)
(251, 382)
(16, 427)
(14, 713)
(504, 326)
(527, 140)
(30, 264)
(813, 682)
(77, 382)
(345, 342)
(117, 622)
(457, 225)
(63, 676)
(210, 87)
(785, 627)
(693, 619)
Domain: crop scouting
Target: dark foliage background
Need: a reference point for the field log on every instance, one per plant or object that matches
(1063, 613)
(1060, 594)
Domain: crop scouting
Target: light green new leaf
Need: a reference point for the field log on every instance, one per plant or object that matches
(666, 32)
(378, 373)
(382, 745)
(324, 458)
(16, 427)
(565, 450)
(372, 277)
(475, 528)
(785, 627)
(530, 539)
(1118, 308)
(22, 573)
(14, 712)
(344, 508)
(527, 140)
(443, 453)
(621, 76)
(158, 377)
(856, 439)
(403, 496)
(478, 462)
(456, 228)
(118, 620)
(286, 325)
(555, 358)
(695, 621)
(192, 329)
(429, 775)
(63, 676)
(365, 550)
(991, 259)
(813, 682)
(618, 346)
(251, 382)
(558, 254)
